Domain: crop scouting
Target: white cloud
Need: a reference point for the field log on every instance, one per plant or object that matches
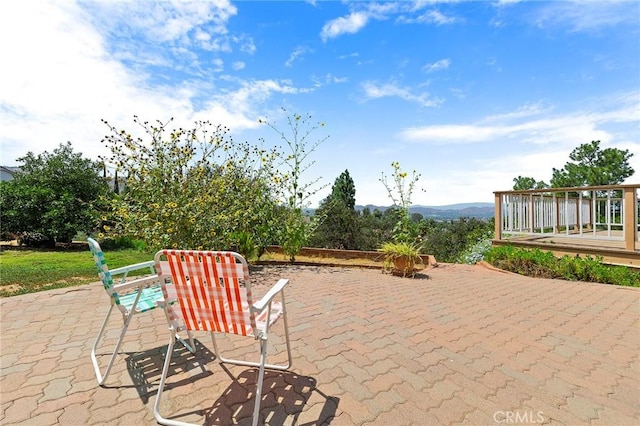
(327, 79)
(218, 65)
(472, 174)
(165, 20)
(454, 133)
(356, 20)
(66, 80)
(254, 92)
(458, 92)
(438, 65)
(350, 55)
(527, 110)
(246, 44)
(201, 35)
(564, 130)
(493, 63)
(238, 65)
(350, 24)
(297, 53)
(581, 16)
(572, 16)
(520, 126)
(468, 185)
(436, 17)
(429, 17)
(468, 161)
(507, 2)
(439, 189)
(375, 91)
(164, 33)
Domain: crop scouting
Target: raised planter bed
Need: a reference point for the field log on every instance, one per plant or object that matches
(333, 257)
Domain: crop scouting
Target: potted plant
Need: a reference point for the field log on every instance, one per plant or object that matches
(401, 259)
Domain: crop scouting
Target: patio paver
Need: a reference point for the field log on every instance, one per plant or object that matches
(460, 345)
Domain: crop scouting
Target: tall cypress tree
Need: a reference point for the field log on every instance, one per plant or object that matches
(344, 190)
(338, 224)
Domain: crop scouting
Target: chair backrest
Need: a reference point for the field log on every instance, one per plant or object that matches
(212, 289)
(101, 264)
(103, 269)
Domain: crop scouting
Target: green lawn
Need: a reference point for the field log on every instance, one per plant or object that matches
(23, 271)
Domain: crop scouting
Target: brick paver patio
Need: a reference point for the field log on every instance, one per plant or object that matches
(465, 345)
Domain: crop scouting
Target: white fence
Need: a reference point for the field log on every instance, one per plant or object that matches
(592, 214)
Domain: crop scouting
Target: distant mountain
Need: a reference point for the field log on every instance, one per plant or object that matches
(459, 206)
(452, 211)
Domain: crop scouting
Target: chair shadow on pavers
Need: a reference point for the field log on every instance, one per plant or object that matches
(285, 395)
(145, 368)
(284, 398)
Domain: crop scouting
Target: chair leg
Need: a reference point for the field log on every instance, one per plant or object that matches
(215, 345)
(191, 346)
(263, 357)
(286, 332)
(165, 370)
(191, 342)
(188, 343)
(94, 360)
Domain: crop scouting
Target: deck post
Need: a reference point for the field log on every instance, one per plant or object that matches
(630, 220)
(532, 214)
(497, 215)
(579, 213)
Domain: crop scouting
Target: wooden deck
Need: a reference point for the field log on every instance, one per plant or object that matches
(611, 250)
(529, 218)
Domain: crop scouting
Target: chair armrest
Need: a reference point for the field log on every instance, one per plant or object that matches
(266, 299)
(134, 267)
(136, 284)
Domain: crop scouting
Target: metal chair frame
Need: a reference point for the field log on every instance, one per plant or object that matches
(192, 278)
(130, 297)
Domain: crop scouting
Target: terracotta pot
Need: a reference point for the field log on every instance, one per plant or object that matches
(403, 266)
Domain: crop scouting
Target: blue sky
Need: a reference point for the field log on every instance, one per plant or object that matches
(468, 94)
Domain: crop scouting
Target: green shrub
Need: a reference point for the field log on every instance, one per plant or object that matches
(475, 252)
(54, 196)
(448, 240)
(244, 244)
(123, 242)
(541, 264)
(36, 240)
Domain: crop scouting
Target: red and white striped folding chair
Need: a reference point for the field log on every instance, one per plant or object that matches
(213, 293)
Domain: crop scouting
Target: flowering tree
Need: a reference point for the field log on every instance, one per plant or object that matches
(192, 188)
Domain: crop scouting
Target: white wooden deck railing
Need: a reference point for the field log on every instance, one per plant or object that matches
(606, 212)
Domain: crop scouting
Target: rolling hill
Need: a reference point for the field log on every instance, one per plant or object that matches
(452, 211)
